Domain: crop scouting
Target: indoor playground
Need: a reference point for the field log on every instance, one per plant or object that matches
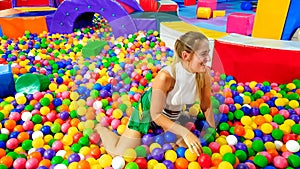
(68, 65)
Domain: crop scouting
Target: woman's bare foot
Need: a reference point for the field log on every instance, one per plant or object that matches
(108, 138)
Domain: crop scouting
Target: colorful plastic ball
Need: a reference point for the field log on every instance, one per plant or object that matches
(231, 140)
(225, 149)
(171, 155)
(190, 156)
(19, 163)
(294, 161)
(170, 137)
(129, 155)
(225, 164)
(141, 162)
(83, 164)
(180, 152)
(141, 151)
(241, 155)
(181, 163)
(292, 146)
(12, 143)
(147, 139)
(31, 163)
(242, 166)
(258, 145)
(131, 165)
(118, 162)
(204, 160)
(105, 160)
(158, 154)
(280, 162)
(260, 160)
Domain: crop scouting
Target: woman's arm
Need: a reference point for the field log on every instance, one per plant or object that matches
(162, 84)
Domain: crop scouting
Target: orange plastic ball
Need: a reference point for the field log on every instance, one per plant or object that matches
(45, 162)
(2, 152)
(6, 160)
(181, 163)
(23, 136)
(83, 165)
(10, 124)
(36, 155)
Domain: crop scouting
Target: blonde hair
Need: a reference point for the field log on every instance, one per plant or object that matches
(189, 42)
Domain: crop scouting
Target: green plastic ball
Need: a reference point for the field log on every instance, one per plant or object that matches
(260, 160)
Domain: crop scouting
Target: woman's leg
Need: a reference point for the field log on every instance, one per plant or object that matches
(116, 145)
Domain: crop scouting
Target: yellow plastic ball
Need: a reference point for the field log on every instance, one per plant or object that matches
(285, 128)
(289, 122)
(225, 149)
(160, 166)
(266, 128)
(58, 136)
(52, 87)
(240, 89)
(294, 104)
(151, 163)
(221, 141)
(81, 111)
(246, 120)
(171, 155)
(279, 102)
(249, 134)
(47, 138)
(268, 118)
(225, 164)
(121, 128)
(21, 100)
(248, 143)
(117, 113)
(190, 156)
(67, 140)
(85, 150)
(252, 84)
(247, 99)
(129, 155)
(291, 86)
(105, 160)
(216, 156)
(270, 146)
(45, 110)
(73, 165)
(38, 143)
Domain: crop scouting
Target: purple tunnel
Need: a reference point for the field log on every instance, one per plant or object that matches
(70, 12)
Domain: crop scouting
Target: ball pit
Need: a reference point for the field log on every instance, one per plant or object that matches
(259, 123)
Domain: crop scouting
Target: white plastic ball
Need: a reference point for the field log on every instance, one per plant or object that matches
(61, 153)
(60, 166)
(37, 134)
(278, 144)
(26, 116)
(118, 162)
(231, 140)
(292, 146)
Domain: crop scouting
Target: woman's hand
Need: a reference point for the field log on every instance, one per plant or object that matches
(193, 143)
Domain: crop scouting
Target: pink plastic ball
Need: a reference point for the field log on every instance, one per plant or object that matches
(274, 125)
(115, 123)
(284, 113)
(224, 108)
(12, 143)
(15, 116)
(229, 100)
(19, 163)
(51, 116)
(215, 147)
(190, 126)
(65, 94)
(65, 127)
(104, 121)
(136, 97)
(32, 163)
(57, 145)
(38, 95)
(94, 138)
(28, 125)
(297, 110)
(33, 112)
(109, 112)
(215, 87)
(280, 162)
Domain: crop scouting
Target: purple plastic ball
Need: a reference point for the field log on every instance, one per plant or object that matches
(158, 154)
(49, 154)
(241, 146)
(73, 158)
(168, 164)
(242, 166)
(147, 139)
(267, 138)
(167, 146)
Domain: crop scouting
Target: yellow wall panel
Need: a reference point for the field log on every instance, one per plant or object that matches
(270, 18)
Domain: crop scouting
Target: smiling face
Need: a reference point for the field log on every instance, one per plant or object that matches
(196, 61)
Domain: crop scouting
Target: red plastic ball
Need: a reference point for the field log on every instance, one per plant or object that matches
(204, 161)
(141, 162)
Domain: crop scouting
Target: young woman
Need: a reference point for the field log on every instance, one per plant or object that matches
(183, 82)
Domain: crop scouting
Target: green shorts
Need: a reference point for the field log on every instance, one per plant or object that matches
(140, 118)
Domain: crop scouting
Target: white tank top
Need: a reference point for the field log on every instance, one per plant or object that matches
(185, 88)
